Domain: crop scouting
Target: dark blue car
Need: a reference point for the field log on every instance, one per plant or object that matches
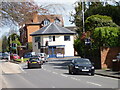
(81, 65)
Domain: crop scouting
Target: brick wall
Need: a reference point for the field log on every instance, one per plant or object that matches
(107, 55)
(31, 29)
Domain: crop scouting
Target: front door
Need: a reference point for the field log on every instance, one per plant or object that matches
(51, 52)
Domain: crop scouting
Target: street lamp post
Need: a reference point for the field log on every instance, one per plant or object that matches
(83, 16)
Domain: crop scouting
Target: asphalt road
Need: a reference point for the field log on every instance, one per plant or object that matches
(54, 74)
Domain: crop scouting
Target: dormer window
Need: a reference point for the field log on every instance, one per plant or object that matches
(57, 21)
(46, 22)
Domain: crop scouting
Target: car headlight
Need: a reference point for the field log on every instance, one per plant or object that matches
(76, 67)
(92, 67)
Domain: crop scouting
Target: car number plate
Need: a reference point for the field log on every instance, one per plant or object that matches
(85, 69)
(34, 62)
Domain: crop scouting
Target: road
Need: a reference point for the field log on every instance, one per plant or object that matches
(54, 74)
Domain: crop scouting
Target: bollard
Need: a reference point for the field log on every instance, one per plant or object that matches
(8, 58)
(22, 59)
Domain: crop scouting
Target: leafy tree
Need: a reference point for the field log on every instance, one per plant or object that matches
(98, 21)
(0, 45)
(108, 10)
(106, 36)
(13, 39)
(29, 45)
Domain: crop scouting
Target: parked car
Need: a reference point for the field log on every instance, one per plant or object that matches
(5, 56)
(29, 54)
(38, 56)
(43, 56)
(34, 62)
(14, 56)
(118, 57)
(0, 55)
(81, 65)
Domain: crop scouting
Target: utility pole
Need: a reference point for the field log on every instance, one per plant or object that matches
(16, 45)
(83, 16)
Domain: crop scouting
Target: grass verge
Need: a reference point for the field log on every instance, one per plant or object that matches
(24, 59)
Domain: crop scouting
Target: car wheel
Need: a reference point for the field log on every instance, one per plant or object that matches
(70, 71)
(40, 66)
(29, 67)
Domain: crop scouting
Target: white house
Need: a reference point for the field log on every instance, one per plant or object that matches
(53, 40)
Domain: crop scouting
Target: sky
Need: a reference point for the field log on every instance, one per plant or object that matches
(68, 6)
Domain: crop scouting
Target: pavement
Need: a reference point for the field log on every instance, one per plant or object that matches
(10, 68)
(109, 73)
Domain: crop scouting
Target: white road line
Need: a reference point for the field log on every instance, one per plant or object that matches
(63, 75)
(44, 69)
(54, 73)
(94, 84)
(74, 78)
(22, 69)
(53, 86)
(79, 80)
(107, 77)
(48, 70)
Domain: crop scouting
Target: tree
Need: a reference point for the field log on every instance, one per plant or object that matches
(13, 42)
(95, 21)
(19, 12)
(106, 36)
(4, 44)
(108, 10)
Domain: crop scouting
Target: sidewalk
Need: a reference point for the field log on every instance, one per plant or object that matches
(10, 68)
(109, 73)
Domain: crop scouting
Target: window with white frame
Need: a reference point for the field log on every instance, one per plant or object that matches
(57, 21)
(46, 22)
(51, 38)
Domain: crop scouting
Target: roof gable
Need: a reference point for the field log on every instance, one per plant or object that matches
(52, 29)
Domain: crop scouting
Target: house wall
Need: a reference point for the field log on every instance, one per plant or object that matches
(31, 29)
(59, 40)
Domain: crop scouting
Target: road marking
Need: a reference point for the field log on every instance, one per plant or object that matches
(79, 80)
(74, 78)
(94, 84)
(22, 69)
(54, 73)
(63, 75)
(53, 86)
(107, 77)
(48, 70)
(44, 69)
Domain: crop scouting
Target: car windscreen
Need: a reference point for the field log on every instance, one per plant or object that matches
(82, 62)
(34, 59)
(15, 55)
(4, 54)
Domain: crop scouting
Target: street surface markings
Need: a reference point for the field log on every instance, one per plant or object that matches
(63, 75)
(108, 77)
(53, 86)
(94, 84)
(44, 69)
(54, 73)
(74, 78)
(48, 70)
